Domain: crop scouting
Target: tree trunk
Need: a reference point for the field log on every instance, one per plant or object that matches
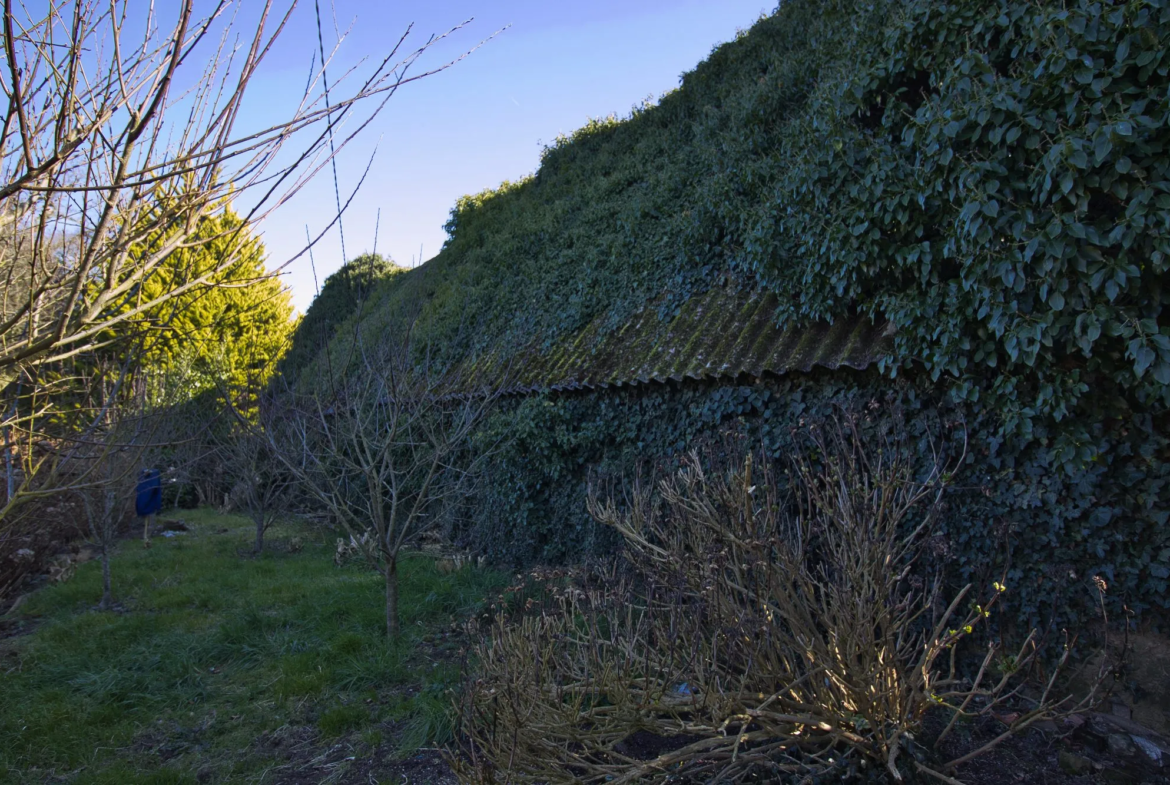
(259, 546)
(391, 572)
(107, 596)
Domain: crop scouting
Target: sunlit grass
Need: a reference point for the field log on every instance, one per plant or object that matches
(209, 649)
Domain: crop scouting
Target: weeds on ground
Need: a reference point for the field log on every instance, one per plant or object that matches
(212, 660)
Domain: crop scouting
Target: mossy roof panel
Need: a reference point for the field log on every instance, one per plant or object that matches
(726, 331)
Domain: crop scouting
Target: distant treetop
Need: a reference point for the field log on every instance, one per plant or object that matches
(339, 297)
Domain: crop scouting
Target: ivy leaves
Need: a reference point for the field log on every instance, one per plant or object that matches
(1102, 516)
(1010, 211)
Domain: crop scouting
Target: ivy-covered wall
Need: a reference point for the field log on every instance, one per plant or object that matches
(1013, 504)
(989, 178)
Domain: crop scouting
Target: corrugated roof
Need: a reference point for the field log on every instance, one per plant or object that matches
(725, 331)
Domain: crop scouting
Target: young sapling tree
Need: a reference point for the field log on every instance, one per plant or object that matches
(384, 446)
(262, 482)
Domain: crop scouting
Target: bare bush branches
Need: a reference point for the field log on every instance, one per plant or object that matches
(776, 624)
(115, 458)
(104, 464)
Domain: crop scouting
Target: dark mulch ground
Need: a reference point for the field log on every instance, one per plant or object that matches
(1099, 750)
(1080, 752)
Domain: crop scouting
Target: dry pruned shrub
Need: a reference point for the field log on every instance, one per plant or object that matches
(771, 625)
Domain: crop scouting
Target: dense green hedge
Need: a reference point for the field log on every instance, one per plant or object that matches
(992, 177)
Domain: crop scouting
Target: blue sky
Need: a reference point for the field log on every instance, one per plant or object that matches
(483, 120)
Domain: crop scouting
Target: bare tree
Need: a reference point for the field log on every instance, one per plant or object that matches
(105, 458)
(385, 448)
(115, 145)
(261, 482)
(107, 503)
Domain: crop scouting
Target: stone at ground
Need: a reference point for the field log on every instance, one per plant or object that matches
(1071, 763)
(1119, 744)
(164, 525)
(1145, 697)
(1147, 688)
(1150, 749)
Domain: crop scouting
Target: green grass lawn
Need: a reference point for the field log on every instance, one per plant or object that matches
(219, 667)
